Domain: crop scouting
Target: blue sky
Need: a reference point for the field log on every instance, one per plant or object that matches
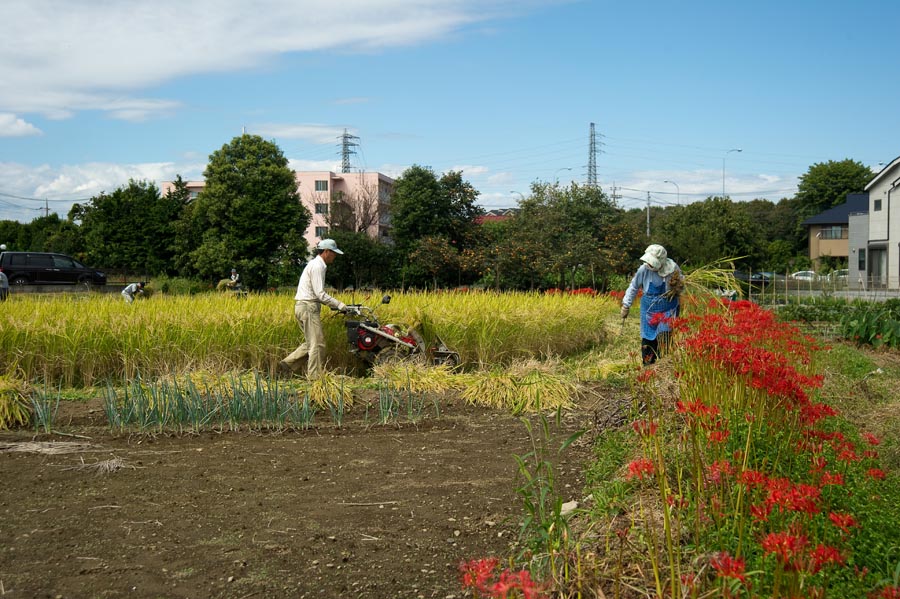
(93, 94)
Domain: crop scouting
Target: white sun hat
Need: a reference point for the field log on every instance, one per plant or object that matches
(656, 258)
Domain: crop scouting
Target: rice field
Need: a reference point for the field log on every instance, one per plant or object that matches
(94, 339)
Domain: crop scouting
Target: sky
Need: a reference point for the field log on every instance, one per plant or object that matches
(687, 98)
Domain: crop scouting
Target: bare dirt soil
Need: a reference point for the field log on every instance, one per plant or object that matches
(361, 511)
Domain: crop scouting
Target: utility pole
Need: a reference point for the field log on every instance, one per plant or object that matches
(346, 144)
(46, 207)
(592, 160)
(614, 196)
(648, 215)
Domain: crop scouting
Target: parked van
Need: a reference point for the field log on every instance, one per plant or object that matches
(44, 268)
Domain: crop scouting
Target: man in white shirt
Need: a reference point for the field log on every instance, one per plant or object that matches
(308, 304)
(132, 290)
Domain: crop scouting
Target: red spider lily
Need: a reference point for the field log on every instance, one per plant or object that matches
(716, 470)
(696, 408)
(813, 413)
(842, 521)
(477, 572)
(790, 497)
(823, 555)
(639, 467)
(876, 473)
(729, 567)
(818, 463)
(871, 439)
(658, 318)
(644, 375)
(644, 428)
(719, 437)
(753, 478)
(761, 513)
(832, 478)
(785, 546)
(887, 593)
(516, 581)
(871, 454)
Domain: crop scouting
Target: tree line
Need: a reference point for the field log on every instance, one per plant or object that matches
(249, 216)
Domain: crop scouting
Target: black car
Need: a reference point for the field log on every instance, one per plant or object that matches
(44, 268)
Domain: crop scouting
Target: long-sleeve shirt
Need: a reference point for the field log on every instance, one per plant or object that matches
(132, 289)
(312, 284)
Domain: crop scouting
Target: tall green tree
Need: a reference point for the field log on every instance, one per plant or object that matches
(129, 229)
(704, 232)
(423, 205)
(249, 215)
(826, 185)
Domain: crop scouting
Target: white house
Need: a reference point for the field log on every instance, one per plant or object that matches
(883, 251)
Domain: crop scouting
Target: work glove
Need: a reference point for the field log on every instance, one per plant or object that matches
(342, 307)
(624, 312)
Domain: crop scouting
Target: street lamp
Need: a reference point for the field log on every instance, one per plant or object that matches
(565, 168)
(677, 189)
(723, 168)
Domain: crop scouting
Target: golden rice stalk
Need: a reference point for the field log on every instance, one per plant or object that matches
(14, 408)
(519, 390)
(331, 389)
(718, 275)
(416, 378)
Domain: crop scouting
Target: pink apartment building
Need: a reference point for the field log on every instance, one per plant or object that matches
(345, 201)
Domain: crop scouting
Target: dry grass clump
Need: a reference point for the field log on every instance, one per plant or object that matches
(14, 407)
(416, 378)
(331, 389)
(103, 466)
(524, 387)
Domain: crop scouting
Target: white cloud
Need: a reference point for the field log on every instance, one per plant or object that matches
(320, 134)
(469, 170)
(315, 165)
(61, 187)
(76, 55)
(13, 126)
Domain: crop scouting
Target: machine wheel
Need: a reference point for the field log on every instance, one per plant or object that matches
(19, 281)
(396, 354)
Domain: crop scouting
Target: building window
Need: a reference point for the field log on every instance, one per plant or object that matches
(321, 232)
(877, 207)
(835, 232)
(862, 261)
(321, 185)
(321, 208)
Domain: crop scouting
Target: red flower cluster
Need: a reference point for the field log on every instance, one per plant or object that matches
(842, 521)
(729, 567)
(640, 467)
(481, 576)
(786, 547)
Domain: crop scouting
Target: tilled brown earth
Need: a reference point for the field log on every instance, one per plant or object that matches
(361, 511)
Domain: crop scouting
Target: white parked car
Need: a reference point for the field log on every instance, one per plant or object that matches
(805, 275)
(839, 276)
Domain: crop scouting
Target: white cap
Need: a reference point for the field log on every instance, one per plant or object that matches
(328, 244)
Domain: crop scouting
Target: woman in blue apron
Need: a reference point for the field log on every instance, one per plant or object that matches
(661, 281)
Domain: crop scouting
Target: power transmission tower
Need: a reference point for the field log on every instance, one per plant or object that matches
(592, 160)
(347, 144)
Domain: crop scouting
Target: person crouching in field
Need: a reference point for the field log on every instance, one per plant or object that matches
(132, 290)
(662, 283)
